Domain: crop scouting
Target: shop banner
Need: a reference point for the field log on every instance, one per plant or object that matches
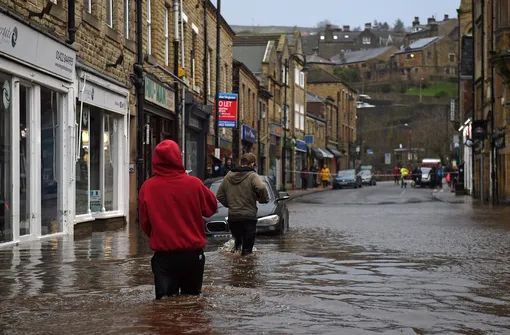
(248, 134)
(227, 110)
(29, 46)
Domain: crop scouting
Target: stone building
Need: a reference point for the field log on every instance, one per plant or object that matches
(69, 154)
(343, 129)
(431, 57)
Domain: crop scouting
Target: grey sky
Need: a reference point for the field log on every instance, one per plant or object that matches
(339, 12)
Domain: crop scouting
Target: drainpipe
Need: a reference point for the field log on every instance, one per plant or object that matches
(482, 97)
(259, 111)
(473, 93)
(183, 88)
(206, 55)
(140, 94)
(218, 69)
(71, 24)
(494, 151)
(176, 72)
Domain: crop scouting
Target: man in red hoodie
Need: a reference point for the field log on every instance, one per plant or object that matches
(171, 208)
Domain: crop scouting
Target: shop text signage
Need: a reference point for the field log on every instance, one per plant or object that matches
(275, 130)
(248, 134)
(227, 110)
(102, 97)
(27, 45)
(159, 95)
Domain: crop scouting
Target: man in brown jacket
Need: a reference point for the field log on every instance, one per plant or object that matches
(239, 192)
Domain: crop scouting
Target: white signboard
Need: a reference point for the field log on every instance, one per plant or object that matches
(452, 110)
(95, 200)
(101, 97)
(22, 43)
(387, 159)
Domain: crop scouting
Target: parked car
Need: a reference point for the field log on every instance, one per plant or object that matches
(367, 177)
(273, 217)
(425, 176)
(347, 178)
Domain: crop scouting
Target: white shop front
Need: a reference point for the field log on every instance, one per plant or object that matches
(36, 123)
(101, 190)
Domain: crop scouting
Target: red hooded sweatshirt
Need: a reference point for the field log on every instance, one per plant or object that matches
(172, 204)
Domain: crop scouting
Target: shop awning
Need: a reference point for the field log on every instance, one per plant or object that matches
(335, 152)
(300, 146)
(321, 153)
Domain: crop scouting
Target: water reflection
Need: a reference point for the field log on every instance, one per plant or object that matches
(399, 269)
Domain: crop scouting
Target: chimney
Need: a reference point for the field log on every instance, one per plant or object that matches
(347, 28)
(446, 17)
(329, 26)
(431, 20)
(368, 26)
(416, 21)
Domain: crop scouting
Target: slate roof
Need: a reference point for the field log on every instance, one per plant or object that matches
(250, 55)
(257, 39)
(359, 56)
(310, 97)
(420, 44)
(310, 42)
(315, 59)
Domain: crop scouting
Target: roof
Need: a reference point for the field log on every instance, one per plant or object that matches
(257, 39)
(420, 44)
(344, 36)
(310, 42)
(251, 56)
(320, 76)
(359, 56)
(315, 59)
(310, 97)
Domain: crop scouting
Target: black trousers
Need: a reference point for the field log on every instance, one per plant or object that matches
(244, 233)
(178, 272)
(304, 183)
(324, 183)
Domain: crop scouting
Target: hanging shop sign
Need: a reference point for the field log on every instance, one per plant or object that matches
(22, 43)
(275, 130)
(248, 134)
(479, 130)
(227, 110)
(159, 94)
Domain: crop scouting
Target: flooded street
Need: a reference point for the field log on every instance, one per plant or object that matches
(371, 261)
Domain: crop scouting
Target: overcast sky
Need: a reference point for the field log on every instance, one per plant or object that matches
(339, 12)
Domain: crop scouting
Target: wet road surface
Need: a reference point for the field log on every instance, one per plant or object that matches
(379, 260)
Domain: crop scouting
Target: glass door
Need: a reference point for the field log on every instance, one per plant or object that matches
(49, 157)
(5, 159)
(25, 103)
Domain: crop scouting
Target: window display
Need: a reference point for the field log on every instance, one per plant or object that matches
(82, 162)
(24, 160)
(49, 141)
(5, 159)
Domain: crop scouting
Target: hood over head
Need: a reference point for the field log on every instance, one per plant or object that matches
(238, 175)
(167, 159)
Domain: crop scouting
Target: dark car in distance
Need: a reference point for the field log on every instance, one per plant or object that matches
(347, 178)
(273, 217)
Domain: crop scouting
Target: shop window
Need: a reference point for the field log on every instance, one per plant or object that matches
(5, 159)
(97, 167)
(49, 157)
(24, 153)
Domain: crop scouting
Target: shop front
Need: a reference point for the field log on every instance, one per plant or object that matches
(323, 157)
(102, 180)
(275, 133)
(248, 139)
(197, 128)
(335, 161)
(300, 161)
(36, 121)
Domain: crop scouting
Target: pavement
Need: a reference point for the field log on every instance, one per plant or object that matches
(300, 193)
(447, 196)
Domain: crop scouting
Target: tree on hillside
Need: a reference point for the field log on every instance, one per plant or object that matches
(323, 23)
(358, 28)
(398, 25)
(348, 75)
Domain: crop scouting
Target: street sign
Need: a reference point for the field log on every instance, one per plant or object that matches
(452, 110)
(217, 153)
(309, 139)
(227, 110)
(387, 158)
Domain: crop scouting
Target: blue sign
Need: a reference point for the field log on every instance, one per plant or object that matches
(309, 139)
(248, 134)
(301, 145)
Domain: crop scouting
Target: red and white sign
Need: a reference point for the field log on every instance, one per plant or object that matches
(227, 110)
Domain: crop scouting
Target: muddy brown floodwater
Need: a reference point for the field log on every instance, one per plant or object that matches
(421, 267)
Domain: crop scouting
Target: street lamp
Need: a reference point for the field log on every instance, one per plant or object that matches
(285, 111)
(410, 141)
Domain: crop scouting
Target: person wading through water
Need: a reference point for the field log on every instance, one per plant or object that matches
(171, 208)
(239, 192)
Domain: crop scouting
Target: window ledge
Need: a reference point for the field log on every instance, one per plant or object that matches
(83, 218)
(151, 60)
(59, 12)
(130, 45)
(112, 34)
(91, 20)
(108, 215)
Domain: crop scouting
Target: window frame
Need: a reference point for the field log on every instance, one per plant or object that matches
(127, 20)
(89, 6)
(109, 18)
(149, 28)
(167, 45)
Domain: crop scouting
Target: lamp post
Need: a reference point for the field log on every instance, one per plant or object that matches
(285, 113)
(410, 141)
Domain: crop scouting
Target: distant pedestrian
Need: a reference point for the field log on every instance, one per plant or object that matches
(227, 167)
(171, 207)
(396, 174)
(314, 171)
(440, 176)
(239, 192)
(325, 175)
(304, 178)
(404, 173)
